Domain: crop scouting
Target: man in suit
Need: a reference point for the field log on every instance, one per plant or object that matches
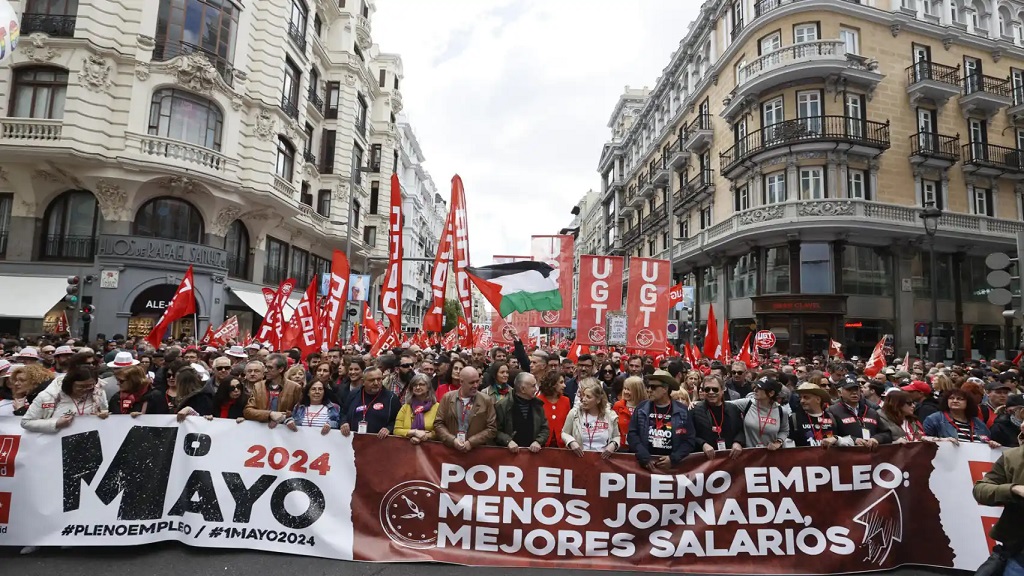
(274, 398)
(466, 419)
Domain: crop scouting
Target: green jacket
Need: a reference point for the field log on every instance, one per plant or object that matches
(996, 489)
(506, 432)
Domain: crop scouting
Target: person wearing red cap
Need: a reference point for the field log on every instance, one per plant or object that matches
(921, 393)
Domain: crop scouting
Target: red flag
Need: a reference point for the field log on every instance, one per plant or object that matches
(686, 353)
(711, 345)
(247, 339)
(576, 350)
(389, 339)
(62, 323)
(556, 251)
(600, 292)
(208, 336)
(647, 322)
(272, 329)
(460, 241)
(465, 330)
(391, 292)
(835, 349)
(906, 361)
(182, 304)
(370, 326)
(745, 356)
(1018, 358)
(877, 360)
(225, 332)
(675, 295)
(354, 339)
(337, 295)
(726, 353)
(268, 295)
(433, 320)
(450, 340)
(305, 318)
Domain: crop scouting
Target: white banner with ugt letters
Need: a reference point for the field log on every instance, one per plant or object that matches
(124, 481)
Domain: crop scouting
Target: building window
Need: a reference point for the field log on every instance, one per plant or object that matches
(361, 115)
(356, 208)
(275, 270)
(297, 23)
(709, 284)
(664, 240)
(743, 277)
(776, 270)
(285, 167)
(300, 267)
(333, 98)
(851, 39)
(705, 218)
(71, 221)
(383, 80)
(982, 202)
(812, 183)
(684, 227)
(374, 196)
(920, 274)
(186, 26)
(327, 144)
(169, 218)
(815, 268)
(931, 192)
(867, 271)
(775, 188)
(808, 109)
(323, 203)
(181, 115)
(652, 248)
(857, 185)
(6, 202)
(805, 33)
(318, 25)
(974, 279)
(741, 199)
(39, 92)
(375, 156)
(236, 244)
(357, 163)
(305, 194)
(290, 89)
(307, 146)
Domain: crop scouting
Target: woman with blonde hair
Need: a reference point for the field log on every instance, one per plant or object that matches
(591, 426)
(633, 393)
(681, 396)
(942, 383)
(296, 374)
(23, 379)
(692, 381)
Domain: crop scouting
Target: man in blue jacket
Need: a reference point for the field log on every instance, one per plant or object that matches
(661, 431)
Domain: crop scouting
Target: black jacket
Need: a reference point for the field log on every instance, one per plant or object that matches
(201, 403)
(928, 406)
(152, 399)
(802, 430)
(845, 423)
(705, 418)
(1004, 432)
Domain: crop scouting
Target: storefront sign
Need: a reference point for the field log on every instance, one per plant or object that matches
(154, 300)
(800, 304)
(113, 247)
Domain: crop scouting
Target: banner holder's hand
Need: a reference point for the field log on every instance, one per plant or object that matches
(345, 429)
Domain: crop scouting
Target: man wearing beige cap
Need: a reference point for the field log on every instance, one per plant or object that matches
(60, 358)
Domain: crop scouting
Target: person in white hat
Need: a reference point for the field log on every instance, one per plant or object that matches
(27, 356)
(236, 352)
(60, 358)
(111, 384)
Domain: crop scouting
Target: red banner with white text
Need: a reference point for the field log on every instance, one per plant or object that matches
(391, 291)
(460, 241)
(337, 295)
(646, 304)
(557, 252)
(433, 320)
(600, 292)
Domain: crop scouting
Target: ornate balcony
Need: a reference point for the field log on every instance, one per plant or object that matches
(1016, 109)
(935, 150)
(290, 108)
(932, 81)
(806, 61)
(30, 130)
(298, 36)
(762, 7)
(699, 133)
(679, 156)
(656, 219)
(642, 187)
(363, 31)
(659, 170)
(630, 237)
(284, 187)
(700, 187)
(991, 160)
(805, 134)
(167, 50)
(985, 95)
(177, 151)
(315, 101)
(56, 25)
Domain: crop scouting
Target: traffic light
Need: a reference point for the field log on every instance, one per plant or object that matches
(1002, 281)
(87, 313)
(73, 288)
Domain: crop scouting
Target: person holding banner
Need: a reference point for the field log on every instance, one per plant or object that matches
(1003, 485)
(522, 422)
(556, 407)
(273, 399)
(465, 418)
(78, 395)
(718, 424)
(591, 426)
(193, 399)
(230, 399)
(764, 423)
(661, 432)
(315, 410)
(135, 395)
(372, 409)
(23, 379)
(957, 420)
(633, 393)
(416, 418)
(496, 381)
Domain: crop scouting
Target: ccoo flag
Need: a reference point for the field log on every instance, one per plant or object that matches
(518, 286)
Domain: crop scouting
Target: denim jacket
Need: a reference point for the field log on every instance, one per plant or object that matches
(333, 415)
(684, 437)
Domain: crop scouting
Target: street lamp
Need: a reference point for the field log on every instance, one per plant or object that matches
(931, 215)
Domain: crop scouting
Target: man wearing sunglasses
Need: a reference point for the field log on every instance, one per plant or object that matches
(738, 379)
(718, 424)
(660, 430)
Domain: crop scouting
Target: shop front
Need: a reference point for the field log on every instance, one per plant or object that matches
(803, 324)
(149, 305)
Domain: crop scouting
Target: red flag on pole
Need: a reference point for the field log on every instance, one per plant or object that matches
(726, 353)
(207, 338)
(877, 360)
(576, 350)
(62, 323)
(182, 304)
(433, 320)
(744, 355)
(391, 292)
(272, 329)
(675, 295)
(370, 326)
(337, 295)
(460, 241)
(711, 345)
(306, 318)
(835, 349)
(354, 339)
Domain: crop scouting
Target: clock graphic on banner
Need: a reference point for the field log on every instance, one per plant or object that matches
(409, 514)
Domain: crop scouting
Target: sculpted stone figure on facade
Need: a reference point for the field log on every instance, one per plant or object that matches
(195, 72)
(96, 72)
(112, 199)
(266, 126)
(37, 50)
(222, 221)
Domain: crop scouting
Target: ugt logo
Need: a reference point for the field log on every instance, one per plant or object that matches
(8, 451)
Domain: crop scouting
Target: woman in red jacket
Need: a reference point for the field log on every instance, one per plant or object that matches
(633, 393)
(556, 406)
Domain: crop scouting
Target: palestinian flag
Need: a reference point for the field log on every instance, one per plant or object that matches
(518, 286)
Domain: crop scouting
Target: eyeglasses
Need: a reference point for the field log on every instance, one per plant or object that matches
(234, 387)
(170, 376)
(406, 365)
(652, 386)
(708, 390)
(738, 373)
(219, 368)
(607, 371)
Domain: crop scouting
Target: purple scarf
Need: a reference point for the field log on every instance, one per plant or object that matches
(419, 411)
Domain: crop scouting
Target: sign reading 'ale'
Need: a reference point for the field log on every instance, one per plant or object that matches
(600, 293)
(648, 308)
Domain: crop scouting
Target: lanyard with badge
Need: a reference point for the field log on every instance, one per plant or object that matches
(716, 427)
(864, 432)
(366, 408)
(467, 407)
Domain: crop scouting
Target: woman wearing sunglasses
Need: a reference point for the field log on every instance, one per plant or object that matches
(229, 400)
(718, 423)
(606, 375)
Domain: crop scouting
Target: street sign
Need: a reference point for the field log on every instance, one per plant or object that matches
(615, 335)
(921, 329)
(921, 340)
(673, 329)
(352, 312)
(764, 339)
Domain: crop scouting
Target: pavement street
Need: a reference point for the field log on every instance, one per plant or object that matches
(173, 559)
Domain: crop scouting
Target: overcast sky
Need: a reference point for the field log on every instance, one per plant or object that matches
(515, 96)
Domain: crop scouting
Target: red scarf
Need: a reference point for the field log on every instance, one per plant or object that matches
(129, 400)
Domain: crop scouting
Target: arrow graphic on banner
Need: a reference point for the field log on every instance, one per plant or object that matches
(883, 525)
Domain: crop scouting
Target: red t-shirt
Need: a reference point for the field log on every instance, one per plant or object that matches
(556, 414)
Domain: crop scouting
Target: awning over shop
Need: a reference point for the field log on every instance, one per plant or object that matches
(258, 303)
(30, 296)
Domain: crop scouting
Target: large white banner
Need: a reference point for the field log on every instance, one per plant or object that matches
(205, 483)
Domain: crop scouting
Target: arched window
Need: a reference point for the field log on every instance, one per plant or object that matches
(38, 92)
(285, 167)
(208, 27)
(236, 244)
(169, 218)
(70, 227)
(184, 116)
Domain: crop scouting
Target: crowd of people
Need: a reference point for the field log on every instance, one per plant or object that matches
(659, 409)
